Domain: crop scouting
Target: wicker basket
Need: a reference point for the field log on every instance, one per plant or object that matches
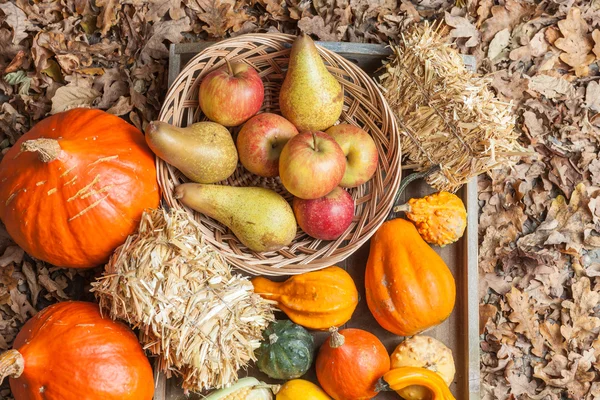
(364, 106)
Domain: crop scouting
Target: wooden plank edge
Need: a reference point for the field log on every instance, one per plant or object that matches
(472, 289)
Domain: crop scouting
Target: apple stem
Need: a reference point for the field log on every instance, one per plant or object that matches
(229, 67)
(405, 182)
(314, 135)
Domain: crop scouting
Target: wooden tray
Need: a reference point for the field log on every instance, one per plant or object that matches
(461, 331)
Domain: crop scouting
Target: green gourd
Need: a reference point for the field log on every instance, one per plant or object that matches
(286, 351)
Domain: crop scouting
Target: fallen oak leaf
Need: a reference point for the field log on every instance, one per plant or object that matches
(576, 43)
(596, 48)
(504, 16)
(564, 224)
(168, 30)
(121, 107)
(592, 96)
(552, 87)
(463, 28)
(108, 16)
(498, 43)
(17, 19)
(525, 317)
(12, 255)
(581, 324)
(316, 26)
(68, 97)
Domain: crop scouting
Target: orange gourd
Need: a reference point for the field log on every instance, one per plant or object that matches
(440, 218)
(408, 286)
(69, 352)
(74, 187)
(350, 363)
(315, 300)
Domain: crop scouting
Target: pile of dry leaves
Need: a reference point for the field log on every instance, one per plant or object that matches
(539, 223)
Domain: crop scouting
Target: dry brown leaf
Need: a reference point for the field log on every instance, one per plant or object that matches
(168, 30)
(486, 313)
(525, 317)
(592, 96)
(463, 28)
(554, 339)
(17, 19)
(552, 87)
(158, 8)
(596, 48)
(316, 26)
(520, 384)
(564, 224)
(483, 11)
(504, 16)
(220, 16)
(68, 97)
(32, 282)
(582, 326)
(576, 43)
(108, 16)
(12, 255)
(121, 107)
(499, 43)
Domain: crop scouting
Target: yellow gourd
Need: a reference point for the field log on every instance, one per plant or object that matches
(316, 300)
(424, 352)
(297, 389)
(440, 218)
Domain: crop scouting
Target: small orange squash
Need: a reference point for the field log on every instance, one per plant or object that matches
(441, 218)
(350, 364)
(315, 300)
(408, 286)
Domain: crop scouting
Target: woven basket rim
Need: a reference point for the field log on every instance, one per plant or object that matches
(315, 257)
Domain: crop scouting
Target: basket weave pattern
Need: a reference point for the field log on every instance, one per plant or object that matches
(364, 106)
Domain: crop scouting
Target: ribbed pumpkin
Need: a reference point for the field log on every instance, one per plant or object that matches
(350, 363)
(315, 300)
(286, 352)
(301, 389)
(423, 352)
(409, 288)
(74, 187)
(441, 218)
(69, 352)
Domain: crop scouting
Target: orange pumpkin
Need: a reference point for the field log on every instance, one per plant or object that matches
(350, 363)
(69, 352)
(74, 187)
(408, 286)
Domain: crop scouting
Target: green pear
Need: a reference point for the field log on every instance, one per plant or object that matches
(310, 97)
(260, 218)
(204, 152)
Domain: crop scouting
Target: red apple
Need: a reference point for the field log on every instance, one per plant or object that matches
(360, 151)
(260, 142)
(231, 94)
(325, 218)
(311, 164)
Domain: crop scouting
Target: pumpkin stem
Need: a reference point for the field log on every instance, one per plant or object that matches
(229, 67)
(406, 181)
(273, 338)
(12, 364)
(382, 386)
(337, 339)
(47, 149)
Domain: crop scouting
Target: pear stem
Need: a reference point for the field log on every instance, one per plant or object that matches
(229, 67)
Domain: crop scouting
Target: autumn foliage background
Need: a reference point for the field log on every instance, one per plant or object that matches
(539, 224)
